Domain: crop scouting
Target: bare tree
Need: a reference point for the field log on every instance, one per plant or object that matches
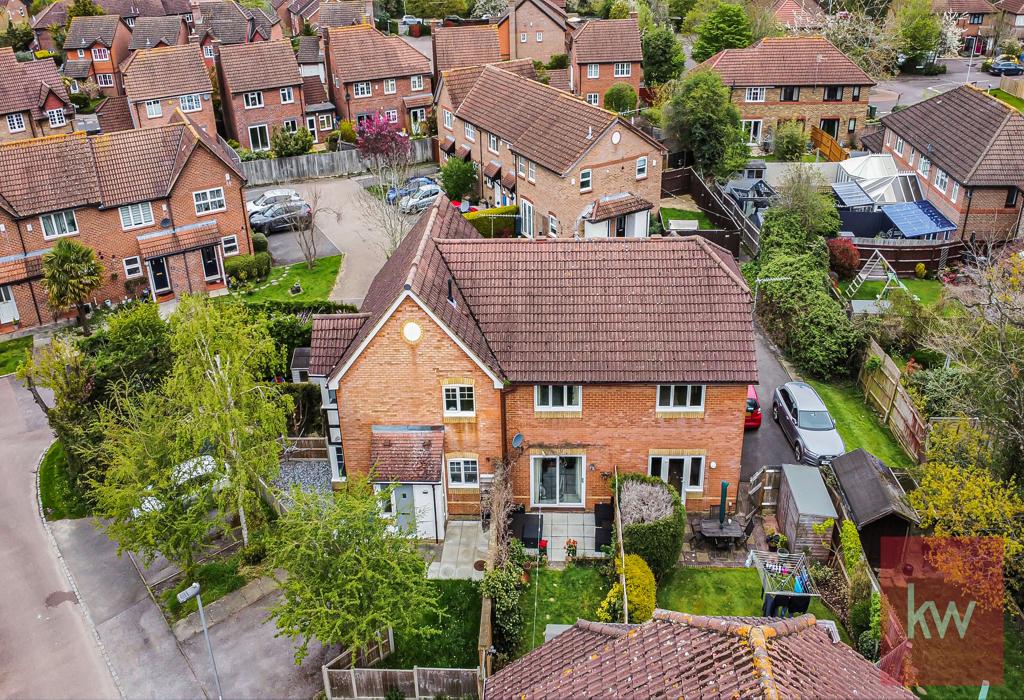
(305, 225)
(387, 153)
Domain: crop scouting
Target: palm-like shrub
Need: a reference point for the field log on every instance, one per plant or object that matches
(71, 273)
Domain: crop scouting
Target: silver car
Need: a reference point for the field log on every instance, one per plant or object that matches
(806, 423)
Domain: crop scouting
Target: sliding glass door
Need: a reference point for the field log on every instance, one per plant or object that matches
(558, 481)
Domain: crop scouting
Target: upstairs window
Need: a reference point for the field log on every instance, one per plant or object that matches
(208, 52)
(899, 145)
(459, 400)
(1011, 197)
(522, 37)
(641, 167)
(789, 94)
(680, 397)
(60, 223)
(855, 93)
(977, 18)
(594, 70)
(153, 109)
(362, 89)
(470, 131)
(287, 96)
(539, 37)
(253, 100)
(105, 80)
(207, 201)
(492, 143)
(449, 120)
(56, 117)
(100, 54)
(390, 86)
(416, 82)
(557, 397)
(755, 94)
(954, 194)
(941, 179)
(586, 180)
(190, 103)
(924, 167)
(622, 70)
(833, 93)
(136, 215)
(531, 170)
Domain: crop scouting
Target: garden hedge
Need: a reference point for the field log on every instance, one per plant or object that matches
(641, 592)
(299, 307)
(248, 268)
(497, 222)
(260, 244)
(659, 543)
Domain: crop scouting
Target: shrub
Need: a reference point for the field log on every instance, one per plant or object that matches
(790, 142)
(867, 646)
(850, 539)
(940, 389)
(641, 502)
(245, 155)
(457, 178)
(843, 257)
(920, 271)
(305, 418)
(80, 100)
(242, 269)
(557, 61)
(860, 618)
(302, 308)
(254, 553)
(621, 97)
(259, 242)
(640, 590)
(659, 543)
(503, 585)
(497, 222)
(291, 143)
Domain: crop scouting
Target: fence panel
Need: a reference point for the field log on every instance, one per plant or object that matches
(884, 392)
(379, 682)
(450, 682)
(1014, 86)
(321, 164)
(828, 146)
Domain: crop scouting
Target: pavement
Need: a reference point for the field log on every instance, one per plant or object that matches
(47, 649)
(767, 444)
(910, 89)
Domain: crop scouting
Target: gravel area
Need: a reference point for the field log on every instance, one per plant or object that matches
(308, 474)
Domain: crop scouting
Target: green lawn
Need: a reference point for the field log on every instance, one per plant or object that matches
(770, 158)
(858, 425)
(1009, 99)
(1013, 671)
(456, 645)
(216, 579)
(316, 283)
(12, 352)
(928, 291)
(60, 498)
(669, 214)
(560, 598)
(721, 591)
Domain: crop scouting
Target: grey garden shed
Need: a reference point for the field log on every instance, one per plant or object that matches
(803, 503)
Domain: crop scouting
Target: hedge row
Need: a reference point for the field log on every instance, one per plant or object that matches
(248, 268)
(498, 222)
(659, 543)
(302, 307)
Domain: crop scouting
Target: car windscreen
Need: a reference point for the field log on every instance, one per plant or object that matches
(815, 420)
(752, 405)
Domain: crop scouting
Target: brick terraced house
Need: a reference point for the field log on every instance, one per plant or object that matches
(967, 149)
(33, 100)
(94, 49)
(159, 81)
(129, 11)
(225, 23)
(151, 32)
(801, 78)
(261, 90)
(1012, 15)
(572, 168)
(161, 207)
(535, 29)
(322, 14)
(978, 19)
(461, 47)
(463, 342)
(369, 72)
(605, 52)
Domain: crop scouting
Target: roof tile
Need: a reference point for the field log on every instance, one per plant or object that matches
(166, 71)
(150, 32)
(114, 115)
(86, 31)
(332, 334)
(460, 81)
(23, 86)
(459, 47)
(261, 65)
(363, 53)
(342, 13)
(791, 60)
(607, 41)
(407, 453)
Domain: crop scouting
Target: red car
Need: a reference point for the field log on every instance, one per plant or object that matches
(753, 417)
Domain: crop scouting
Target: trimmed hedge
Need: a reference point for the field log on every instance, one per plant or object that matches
(299, 307)
(497, 219)
(659, 543)
(640, 589)
(248, 268)
(260, 244)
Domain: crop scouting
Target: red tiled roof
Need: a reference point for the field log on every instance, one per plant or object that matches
(363, 53)
(261, 65)
(798, 14)
(332, 334)
(1014, 7)
(508, 181)
(448, 145)
(78, 68)
(418, 100)
(24, 86)
(607, 41)
(492, 169)
(166, 71)
(791, 60)
(22, 266)
(179, 240)
(872, 142)
(86, 31)
(313, 91)
(232, 23)
(460, 81)
(559, 78)
(963, 6)
(459, 47)
(618, 205)
(462, 152)
(404, 454)
(114, 115)
(340, 13)
(680, 655)
(309, 50)
(150, 32)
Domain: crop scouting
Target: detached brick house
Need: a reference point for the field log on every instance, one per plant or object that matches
(967, 149)
(801, 78)
(605, 52)
(33, 100)
(261, 90)
(977, 19)
(94, 49)
(161, 207)
(159, 81)
(464, 342)
(128, 10)
(152, 32)
(461, 47)
(368, 71)
(535, 29)
(573, 169)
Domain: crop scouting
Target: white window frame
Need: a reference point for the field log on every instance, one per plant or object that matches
(564, 390)
(460, 393)
(105, 80)
(593, 71)
(256, 128)
(755, 94)
(622, 70)
(15, 122)
(390, 86)
(954, 194)
(531, 171)
(539, 36)
(56, 117)
(326, 122)
(493, 144)
(73, 86)
(522, 37)
(641, 167)
(208, 52)
(132, 267)
(290, 125)
(362, 89)
(392, 115)
(287, 95)
(521, 166)
(230, 245)
(203, 199)
(586, 175)
(687, 469)
(941, 180)
(81, 53)
(449, 120)
(457, 465)
(581, 460)
(253, 100)
(136, 215)
(593, 99)
(552, 225)
(748, 130)
(470, 131)
(190, 103)
(154, 109)
(130, 21)
(674, 390)
(101, 53)
(898, 147)
(924, 166)
(416, 83)
(67, 228)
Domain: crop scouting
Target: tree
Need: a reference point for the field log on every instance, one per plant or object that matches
(1010, 46)
(802, 192)
(457, 178)
(220, 353)
(291, 143)
(387, 153)
(621, 98)
(436, 8)
(493, 8)
(703, 119)
(698, 11)
(82, 8)
(351, 575)
(18, 35)
(679, 9)
(762, 20)
(919, 28)
(663, 56)
(619, 10)
(951, 36)
(71, 273)
(790, 142)
(727, 27)
(305, 226)
(872, 44)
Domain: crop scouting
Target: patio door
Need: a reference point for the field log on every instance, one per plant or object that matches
(158, 275)
(311, 126)
(405, 509)
(682, 473)
(830, 127)
(416, 117)
(8, 307)
(558, 481)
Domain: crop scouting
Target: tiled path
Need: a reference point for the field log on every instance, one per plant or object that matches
(465, 543)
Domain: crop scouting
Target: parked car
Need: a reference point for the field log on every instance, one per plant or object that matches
(1006, 68)
(752, 421)
(281, 217)
(408, 187)
(410, 20)
(269, 199)
(806, 423)
(419, 200)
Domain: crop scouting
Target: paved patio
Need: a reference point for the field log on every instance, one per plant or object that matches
(465, 544)
(560, 527)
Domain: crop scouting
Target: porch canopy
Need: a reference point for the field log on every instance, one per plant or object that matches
(406, 453)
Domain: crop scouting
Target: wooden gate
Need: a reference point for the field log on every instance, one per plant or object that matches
(884, 392)
(828, 146)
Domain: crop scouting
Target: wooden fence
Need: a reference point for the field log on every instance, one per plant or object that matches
(903, 254)
(323, 164)
(358, 683)
(1014, 86)
(828, 146)
(883, 391)
(763, 496)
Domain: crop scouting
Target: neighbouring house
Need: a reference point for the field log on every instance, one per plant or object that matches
(460, 47)
(680, 655)
(225, 22)
(605, 52)
(151, 32)
(573, 169)
(311, 58)
(94, 50)
(1012, 17)
(319, 108)
(323, 14)
(33, 100)
(794, 78)
(13, 12)
(261, 91)
(159, 81)
(967, 149)
(977, 18)
(369, 72)
(481, 340)
(128, 10)
(798, 15)
(536, 29)
(162, 207)
(113, 115)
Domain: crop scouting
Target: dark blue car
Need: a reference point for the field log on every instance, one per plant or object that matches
(410, 186)
(1006, 68)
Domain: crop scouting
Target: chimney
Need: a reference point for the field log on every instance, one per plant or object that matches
(633, 14)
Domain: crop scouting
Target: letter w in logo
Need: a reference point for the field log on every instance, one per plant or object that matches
(917, 617)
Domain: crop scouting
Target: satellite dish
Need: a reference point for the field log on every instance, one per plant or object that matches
(517, 440)
(165, 223)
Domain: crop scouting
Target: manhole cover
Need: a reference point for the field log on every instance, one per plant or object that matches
(478, 565)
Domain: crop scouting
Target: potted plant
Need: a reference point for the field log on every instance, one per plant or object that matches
(782, 543)
(570, 549)
(775, 540)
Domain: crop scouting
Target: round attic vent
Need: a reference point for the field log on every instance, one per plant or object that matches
(412, 332)
(616, 137)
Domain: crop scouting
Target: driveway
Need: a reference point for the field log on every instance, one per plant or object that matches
(767, 444)
(46, 647)
(910, 89)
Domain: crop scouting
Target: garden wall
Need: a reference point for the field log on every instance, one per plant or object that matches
(313, 165)
(883, 391)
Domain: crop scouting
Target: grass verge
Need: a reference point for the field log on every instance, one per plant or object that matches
(560, 597)
(12, 352)
(455, 646)
(317, 283)
(1009, 99)
(216, 579)
(670, 214)
(61, 498)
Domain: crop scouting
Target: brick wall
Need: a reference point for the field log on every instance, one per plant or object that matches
(584, 85)
(205, 118)
(273, 113)
(529, 19)
(811, 109)
(34, 128)
(356, 106)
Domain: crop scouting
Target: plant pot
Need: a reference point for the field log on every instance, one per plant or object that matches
(772, 547)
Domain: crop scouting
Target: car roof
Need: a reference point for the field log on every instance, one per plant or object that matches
(806, 397)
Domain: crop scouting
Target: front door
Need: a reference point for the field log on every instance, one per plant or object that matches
(405, 511)
(158, 273)
(211, 268)
(830, 127)
(620, 226)
(8, 308)
(415, 117)
(311, 126)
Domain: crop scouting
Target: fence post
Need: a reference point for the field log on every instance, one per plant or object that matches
(352, 675)
(327, 682)
(416, 681)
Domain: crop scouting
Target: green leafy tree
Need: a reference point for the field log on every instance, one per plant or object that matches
(436, 8)
(663, 56)
(698, 11)
(351, 575)
(82, 8)
(727, 27)
(494, 8)
(790, 142)
(18, 36)
(291, 143)
(619, 10)
(678, 9)
(621, 97)
(457, 178)
(919, 28)
(133, 348)
(221, 352)
(803, 192)
(71, 273)
(704, 121)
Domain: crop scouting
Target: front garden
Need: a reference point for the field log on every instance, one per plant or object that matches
(13, 352)
(276, 283)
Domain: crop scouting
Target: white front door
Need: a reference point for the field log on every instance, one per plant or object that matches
(415, 117)
(8, 309)
(311, 125)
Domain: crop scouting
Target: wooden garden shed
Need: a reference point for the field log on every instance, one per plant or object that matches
(803, 503)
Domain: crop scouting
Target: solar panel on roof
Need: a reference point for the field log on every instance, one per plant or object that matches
(915, 219)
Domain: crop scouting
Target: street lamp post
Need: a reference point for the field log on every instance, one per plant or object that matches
(186, 595)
